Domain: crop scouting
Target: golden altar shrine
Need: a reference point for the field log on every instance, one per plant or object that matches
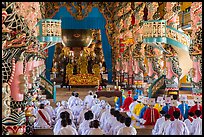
(83, 78)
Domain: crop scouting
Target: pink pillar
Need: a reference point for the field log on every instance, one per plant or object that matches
(197, 76)
(169, 70)
(151, 71)
(29, 66)
(15, 93)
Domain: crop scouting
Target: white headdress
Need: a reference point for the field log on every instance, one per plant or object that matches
(173, 103)
(183, 98)
(140, 98)
(145, 100)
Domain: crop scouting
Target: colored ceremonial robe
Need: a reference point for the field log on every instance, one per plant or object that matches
(127, 103)
(150, 116)
(143, 111)
(166, 108)
(184, 110)
(171, 111)
(136, 110)
(194, 108)
(117, 103)
(158, 107)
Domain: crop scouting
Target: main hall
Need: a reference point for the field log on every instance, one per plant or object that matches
(101, 68)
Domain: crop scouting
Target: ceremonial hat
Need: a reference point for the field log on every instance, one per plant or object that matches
(90, 92)
(168, 100)
(197, 98)
(151, 101)
(145, 100)
(183, 98)
(129, 92)
(63, 103)
(191, 102)
(140, 98)
(58, 103)
(159, 99)
(173, 103)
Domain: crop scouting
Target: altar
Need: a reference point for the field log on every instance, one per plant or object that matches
(110, 94)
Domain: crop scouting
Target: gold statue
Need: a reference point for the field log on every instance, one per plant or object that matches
(96, 69)
(69, 71)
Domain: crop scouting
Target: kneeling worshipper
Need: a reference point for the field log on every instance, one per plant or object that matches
(70, 99)
(58, 104)
(167, 104)
(88, 98)
(196, 126)
(95, 108)
(160, 103)
(197, 106)
(173, 107)
(183, 106)
(128, 129)
(104, 116)
(131, 106)
(114, 124)
(120, 125)
(127, 102)
(159, 122)
(177, 127)
(136, 110)
(164, 125)
(43, 119)
(76, 109)
(84, 126)
(102, 109)
(151, 114)
(50, 110)
(66, 128)
(95, 130)
(64, 108)
(85, 108)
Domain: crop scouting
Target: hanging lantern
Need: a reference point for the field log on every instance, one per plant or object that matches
(49, 32)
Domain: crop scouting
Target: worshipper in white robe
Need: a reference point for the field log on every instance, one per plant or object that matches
(159, 122)
(120, 125)
(43, 119)
(95, 108)
(49, 109)
(63, 108)
(105, 116)
(58, 125)
(91, 118)
(66, 128)
(189, 120)
(196, 126)
(88, 98)
(85, 124)
(76, 109)
(108, 122)
(93, 100)
(177, 127)
(85, 109)
(114, 124)
(102, 108)
(70, 100)
(164, 125)
(76, 99)
(58, 104)
(96, 129)
(128, 129)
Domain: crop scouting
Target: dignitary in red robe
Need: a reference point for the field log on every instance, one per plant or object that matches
(173, 107)
(151, 114)
(127, 102)
(197, 106)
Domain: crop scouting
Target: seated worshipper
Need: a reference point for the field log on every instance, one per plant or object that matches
(136, 110)
(196, 126)
(57, 126)
(76, 109)
(131, 106)
(108, 122)
(128, 129)
(159, 104)
(151, 114)
(127, 102)
(96, 129)
(88, 98)
(76, 99)
(120, 125)
(58, 104)
(183, 106)
(112, 121)
(173, 107)
(50, 110)
(84, 126)
(117, 122)
(70, 100)
(189, 120)
(159, 122)
(104, 116)
(145, 102)
(66, 128)
(177, 127)
(102, 109)
(164, 125)
(64, 108)
(43, 119)
(85, 109)
(95, 107)
(167, 106)
(117, 100)
(197, 106)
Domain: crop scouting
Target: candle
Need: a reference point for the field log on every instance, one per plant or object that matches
(119, 88)
(98, 83)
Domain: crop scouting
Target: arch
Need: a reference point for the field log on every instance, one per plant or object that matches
(94, 20)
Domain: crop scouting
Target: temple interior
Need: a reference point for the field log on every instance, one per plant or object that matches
(106, 57)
